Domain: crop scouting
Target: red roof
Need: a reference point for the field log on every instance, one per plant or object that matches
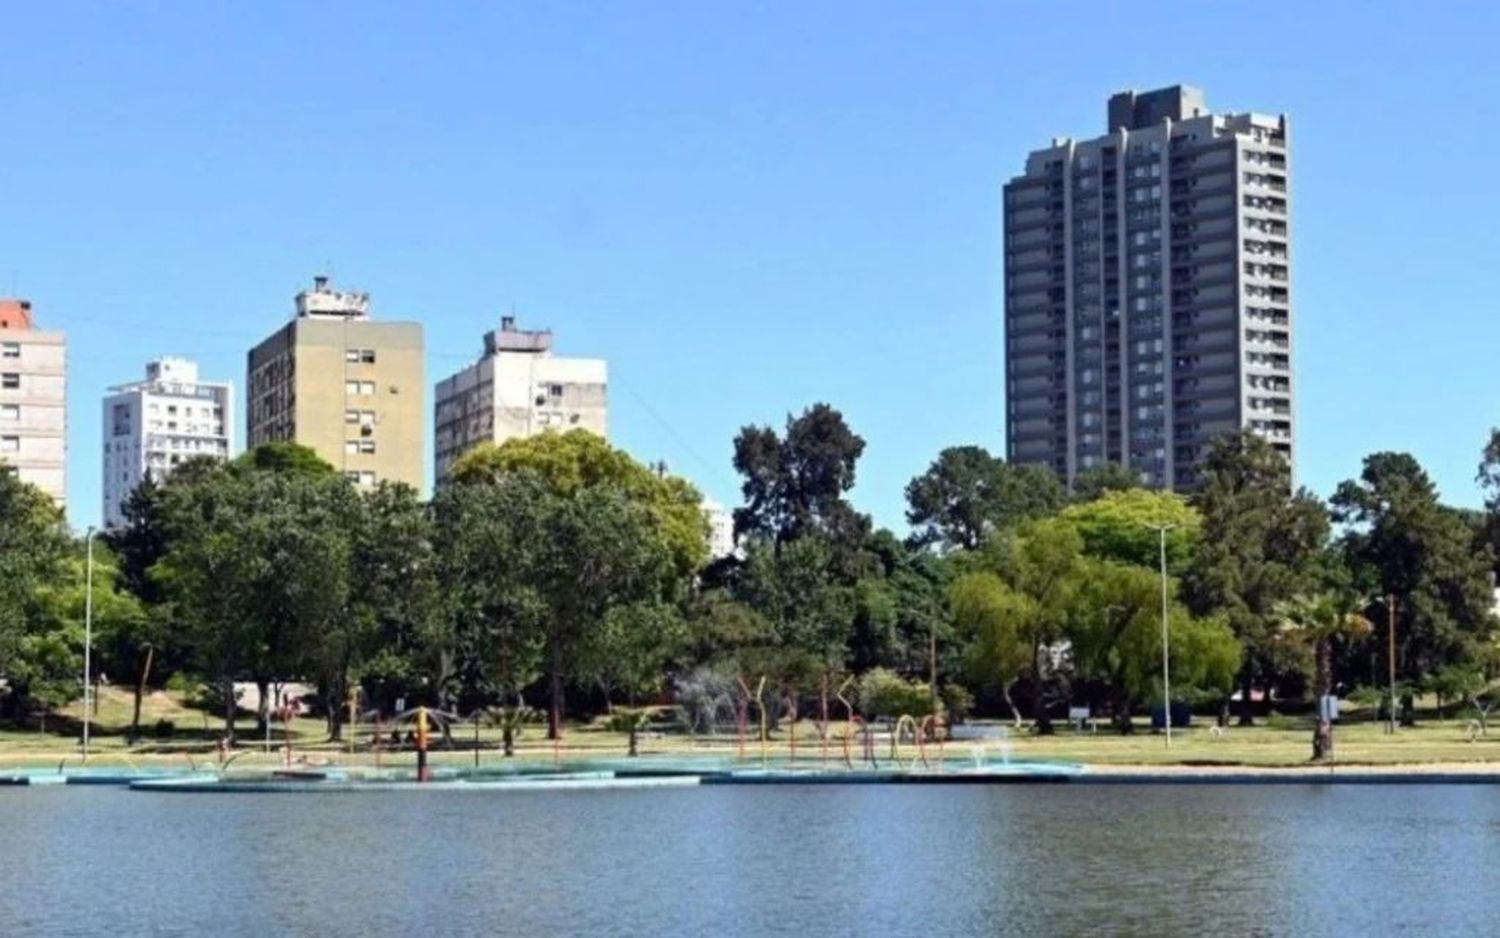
(15, 314)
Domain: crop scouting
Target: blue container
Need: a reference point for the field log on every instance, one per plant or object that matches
(1182, 716)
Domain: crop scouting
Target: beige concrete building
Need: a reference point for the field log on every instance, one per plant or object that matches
(344, 385)
(33, 400)
(517, 388)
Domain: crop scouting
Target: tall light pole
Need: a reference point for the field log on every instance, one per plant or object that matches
(88, 635)
(1166, 655)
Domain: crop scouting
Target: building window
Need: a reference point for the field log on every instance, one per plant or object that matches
(367, 447)
(10, 381)
(10, 444)
(10, 412)
(351, 446)
(10, 350)
(351, 416)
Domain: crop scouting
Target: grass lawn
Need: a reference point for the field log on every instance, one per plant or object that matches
(1287, 742)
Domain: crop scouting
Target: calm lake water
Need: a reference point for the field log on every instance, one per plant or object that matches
(754, 861)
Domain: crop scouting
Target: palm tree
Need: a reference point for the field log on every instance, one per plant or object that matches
(1318, 619)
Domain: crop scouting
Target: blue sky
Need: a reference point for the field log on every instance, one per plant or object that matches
(745, 208)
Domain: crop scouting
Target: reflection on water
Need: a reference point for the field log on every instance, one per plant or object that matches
(819, 860)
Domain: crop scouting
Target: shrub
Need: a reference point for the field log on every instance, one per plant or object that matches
(957, 702)
(885, 694)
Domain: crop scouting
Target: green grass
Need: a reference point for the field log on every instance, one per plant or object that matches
(1359, 742)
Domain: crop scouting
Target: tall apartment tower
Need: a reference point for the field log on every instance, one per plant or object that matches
(33, 401)
(517, 388)
(152, 426)
(1147, 292)
(348, 387)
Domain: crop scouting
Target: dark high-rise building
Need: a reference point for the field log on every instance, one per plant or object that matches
(1147, 290)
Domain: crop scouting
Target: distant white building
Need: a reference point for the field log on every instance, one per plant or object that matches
(720, 530)
(33, 401)
(517, 388)
(153, 425)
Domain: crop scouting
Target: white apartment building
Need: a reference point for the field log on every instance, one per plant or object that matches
(153, 425)
(720, 530)
(33, 400)
(517, 388)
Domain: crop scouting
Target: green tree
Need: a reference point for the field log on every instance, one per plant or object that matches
(258, 568)
(33, 543)
(1258, 547)
(1041, 561)
(1121, 525)
(575, 462)
(809, 604)
(614, 533)
(989, 618)
(488, 553)
(1400, 538)
(966, 494)
(631, 651)
(796, 485)
(284, 458)
(604, 550)
(392, 594)
(1102, 480)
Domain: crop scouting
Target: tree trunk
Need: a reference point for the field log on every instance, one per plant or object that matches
(263, 708)
(1247, 713)
(140, 691)
(229, 708)
(1408, 710)
(508, 737)
(555, 704)
(1323, 733)
(336, 713)
(1039, 710)
(634, 750)
(1015, 712)
(1122, 716)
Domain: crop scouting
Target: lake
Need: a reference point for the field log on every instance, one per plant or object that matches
(814, 860)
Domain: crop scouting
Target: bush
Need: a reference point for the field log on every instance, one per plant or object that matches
(164, 729)
(181, 683)
(957, 702)
(885, 694)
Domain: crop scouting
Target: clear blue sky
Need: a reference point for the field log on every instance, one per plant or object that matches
(746, 209)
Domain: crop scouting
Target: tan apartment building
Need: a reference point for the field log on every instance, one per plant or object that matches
(517, 388)
(344, 385)
(33, 400)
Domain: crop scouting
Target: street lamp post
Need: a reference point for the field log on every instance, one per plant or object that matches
(88, 635)
(1166, 655)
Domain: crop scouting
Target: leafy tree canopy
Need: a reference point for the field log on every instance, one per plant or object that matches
(796, 485)
(966, 494)
(1122, 525)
